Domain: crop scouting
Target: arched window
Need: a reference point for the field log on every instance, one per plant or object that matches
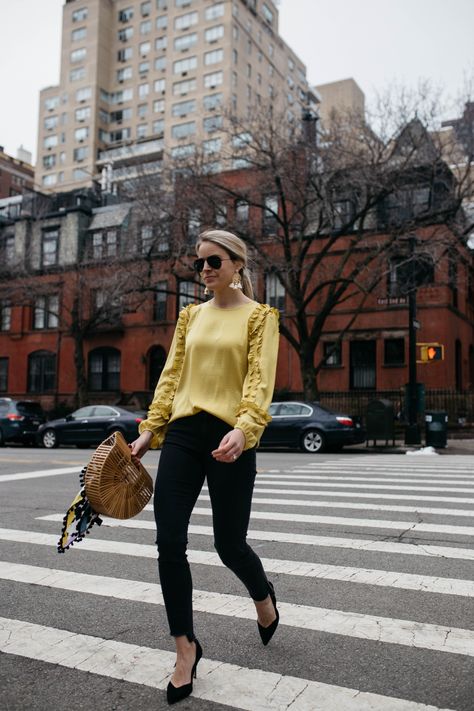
(104, 369)
(156, 362)
(41, 372)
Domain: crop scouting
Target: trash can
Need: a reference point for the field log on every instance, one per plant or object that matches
(380, 421)
(436, 429)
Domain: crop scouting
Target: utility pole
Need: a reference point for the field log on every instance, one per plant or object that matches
(412, 429)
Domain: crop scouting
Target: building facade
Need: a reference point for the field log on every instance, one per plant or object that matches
(16, 174)
(138, 78)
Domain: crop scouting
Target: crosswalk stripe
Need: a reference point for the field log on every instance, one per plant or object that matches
(350, 624)
(359, 544)
(364, 576)
(392, 487)
(389, 479)
(364, 495)
(152, 667)
(38, 474)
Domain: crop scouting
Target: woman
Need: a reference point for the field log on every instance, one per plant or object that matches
(208, 414)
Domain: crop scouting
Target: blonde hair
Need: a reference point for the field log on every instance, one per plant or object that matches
(235, 248)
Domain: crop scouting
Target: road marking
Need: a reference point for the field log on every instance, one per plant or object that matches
(388, 479)
(392, 487)
(315, 503)
(40, 473)
(364, 495)
(322, 571)
(218, 681)
(359, 544)
(408, 633)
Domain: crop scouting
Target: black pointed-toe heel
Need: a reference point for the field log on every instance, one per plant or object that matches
(178, 693)
(266, 633)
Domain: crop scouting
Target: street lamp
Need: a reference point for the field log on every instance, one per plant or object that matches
(412, 428)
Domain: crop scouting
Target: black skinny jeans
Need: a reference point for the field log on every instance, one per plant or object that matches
(185, 462)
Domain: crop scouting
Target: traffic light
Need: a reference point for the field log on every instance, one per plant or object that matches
(432, 351)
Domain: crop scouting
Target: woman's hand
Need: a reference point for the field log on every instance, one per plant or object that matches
(230, 447)
(140, 446)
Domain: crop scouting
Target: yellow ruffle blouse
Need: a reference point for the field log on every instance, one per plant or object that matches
(222, 361)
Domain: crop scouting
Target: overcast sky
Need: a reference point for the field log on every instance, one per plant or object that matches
(377, 42)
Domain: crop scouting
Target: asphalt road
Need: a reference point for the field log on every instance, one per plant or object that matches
(372, 559)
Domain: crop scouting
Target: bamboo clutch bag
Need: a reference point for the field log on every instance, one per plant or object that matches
(114, 485)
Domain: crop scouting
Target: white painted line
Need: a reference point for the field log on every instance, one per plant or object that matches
(302, 539)
(420, 635)
(219, 682)
(388, 479)
(393, 487)
(39, 474)
(322, 571)
(364, 495)
(315, 503)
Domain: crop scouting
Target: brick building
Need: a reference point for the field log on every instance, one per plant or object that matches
(16, 174)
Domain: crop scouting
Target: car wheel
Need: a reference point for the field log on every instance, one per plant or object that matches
(313, 442)
(49, 439)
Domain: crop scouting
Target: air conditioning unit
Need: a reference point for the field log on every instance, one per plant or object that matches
(120, 81)
(184, 74)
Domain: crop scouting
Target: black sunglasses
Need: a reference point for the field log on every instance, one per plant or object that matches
(214, 261)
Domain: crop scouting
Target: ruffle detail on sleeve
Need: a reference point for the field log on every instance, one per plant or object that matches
(259, 416)
(255, 331)
(160, 409)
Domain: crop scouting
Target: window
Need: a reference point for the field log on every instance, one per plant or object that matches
(77, 74)
(213, 145)
(125, 54)
(49, 161)
(394, 351)
(161, 43)
(142, 110)
(83, 94)
(184, 87)
(143, 90)
(241, 140)
(270, 214)
(143, 67)
(212, 101)
(82, 114)
(125, 34)
(212, 123)
(80, 134)
(46, 312)
(41, 372)
(182, 152)
(160, 301)
(194, 224)
(49, 247)
(214, 33)
(142, 130)
(183, 130)
(145, 48)
(159, 127)
(267, 14)
(159, 106)
(78, 55)
(49, 180)
(123, 115)
(220, 213)
(80, 174)
(184, 65)
(51, 103)
(50, 122)
(3, 375)
(214, 11)
(235, 56)
(183, 108)
(50, 141)
(161, 4)
(162, 22)
(213, 80)
(184, 21)
(145, 27)
(145, 9)
(214, 57)
(79, 15)
(146, 239)
(182, 3)
(160, 63)
(188, 293)
(118, 97)
(5, 315)
(124, 73)
(126, 14)
(241, 211)
(274, 292)
(332, 354)
(185, 42)
(104, 369)
(78, 34)
(103, 244)
(80, 154)
(160, 86)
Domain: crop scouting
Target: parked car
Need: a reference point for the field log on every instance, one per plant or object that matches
(90, 425)
(311, 427)
(19, 420)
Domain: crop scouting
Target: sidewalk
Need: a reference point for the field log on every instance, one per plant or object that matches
(455, 446)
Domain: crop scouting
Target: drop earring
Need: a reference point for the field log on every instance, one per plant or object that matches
(236, 282)
(206, 291)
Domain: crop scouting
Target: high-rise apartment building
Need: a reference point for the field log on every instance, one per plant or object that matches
(138, 78)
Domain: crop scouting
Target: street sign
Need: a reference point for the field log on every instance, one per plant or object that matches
(430, 352)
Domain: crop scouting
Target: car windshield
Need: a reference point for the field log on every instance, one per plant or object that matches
(29, 408)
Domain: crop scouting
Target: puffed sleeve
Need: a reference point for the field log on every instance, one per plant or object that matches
(160, 409)
(257, 392)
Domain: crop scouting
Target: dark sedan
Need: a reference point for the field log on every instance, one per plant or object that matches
(310, 427)
(90, 425)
